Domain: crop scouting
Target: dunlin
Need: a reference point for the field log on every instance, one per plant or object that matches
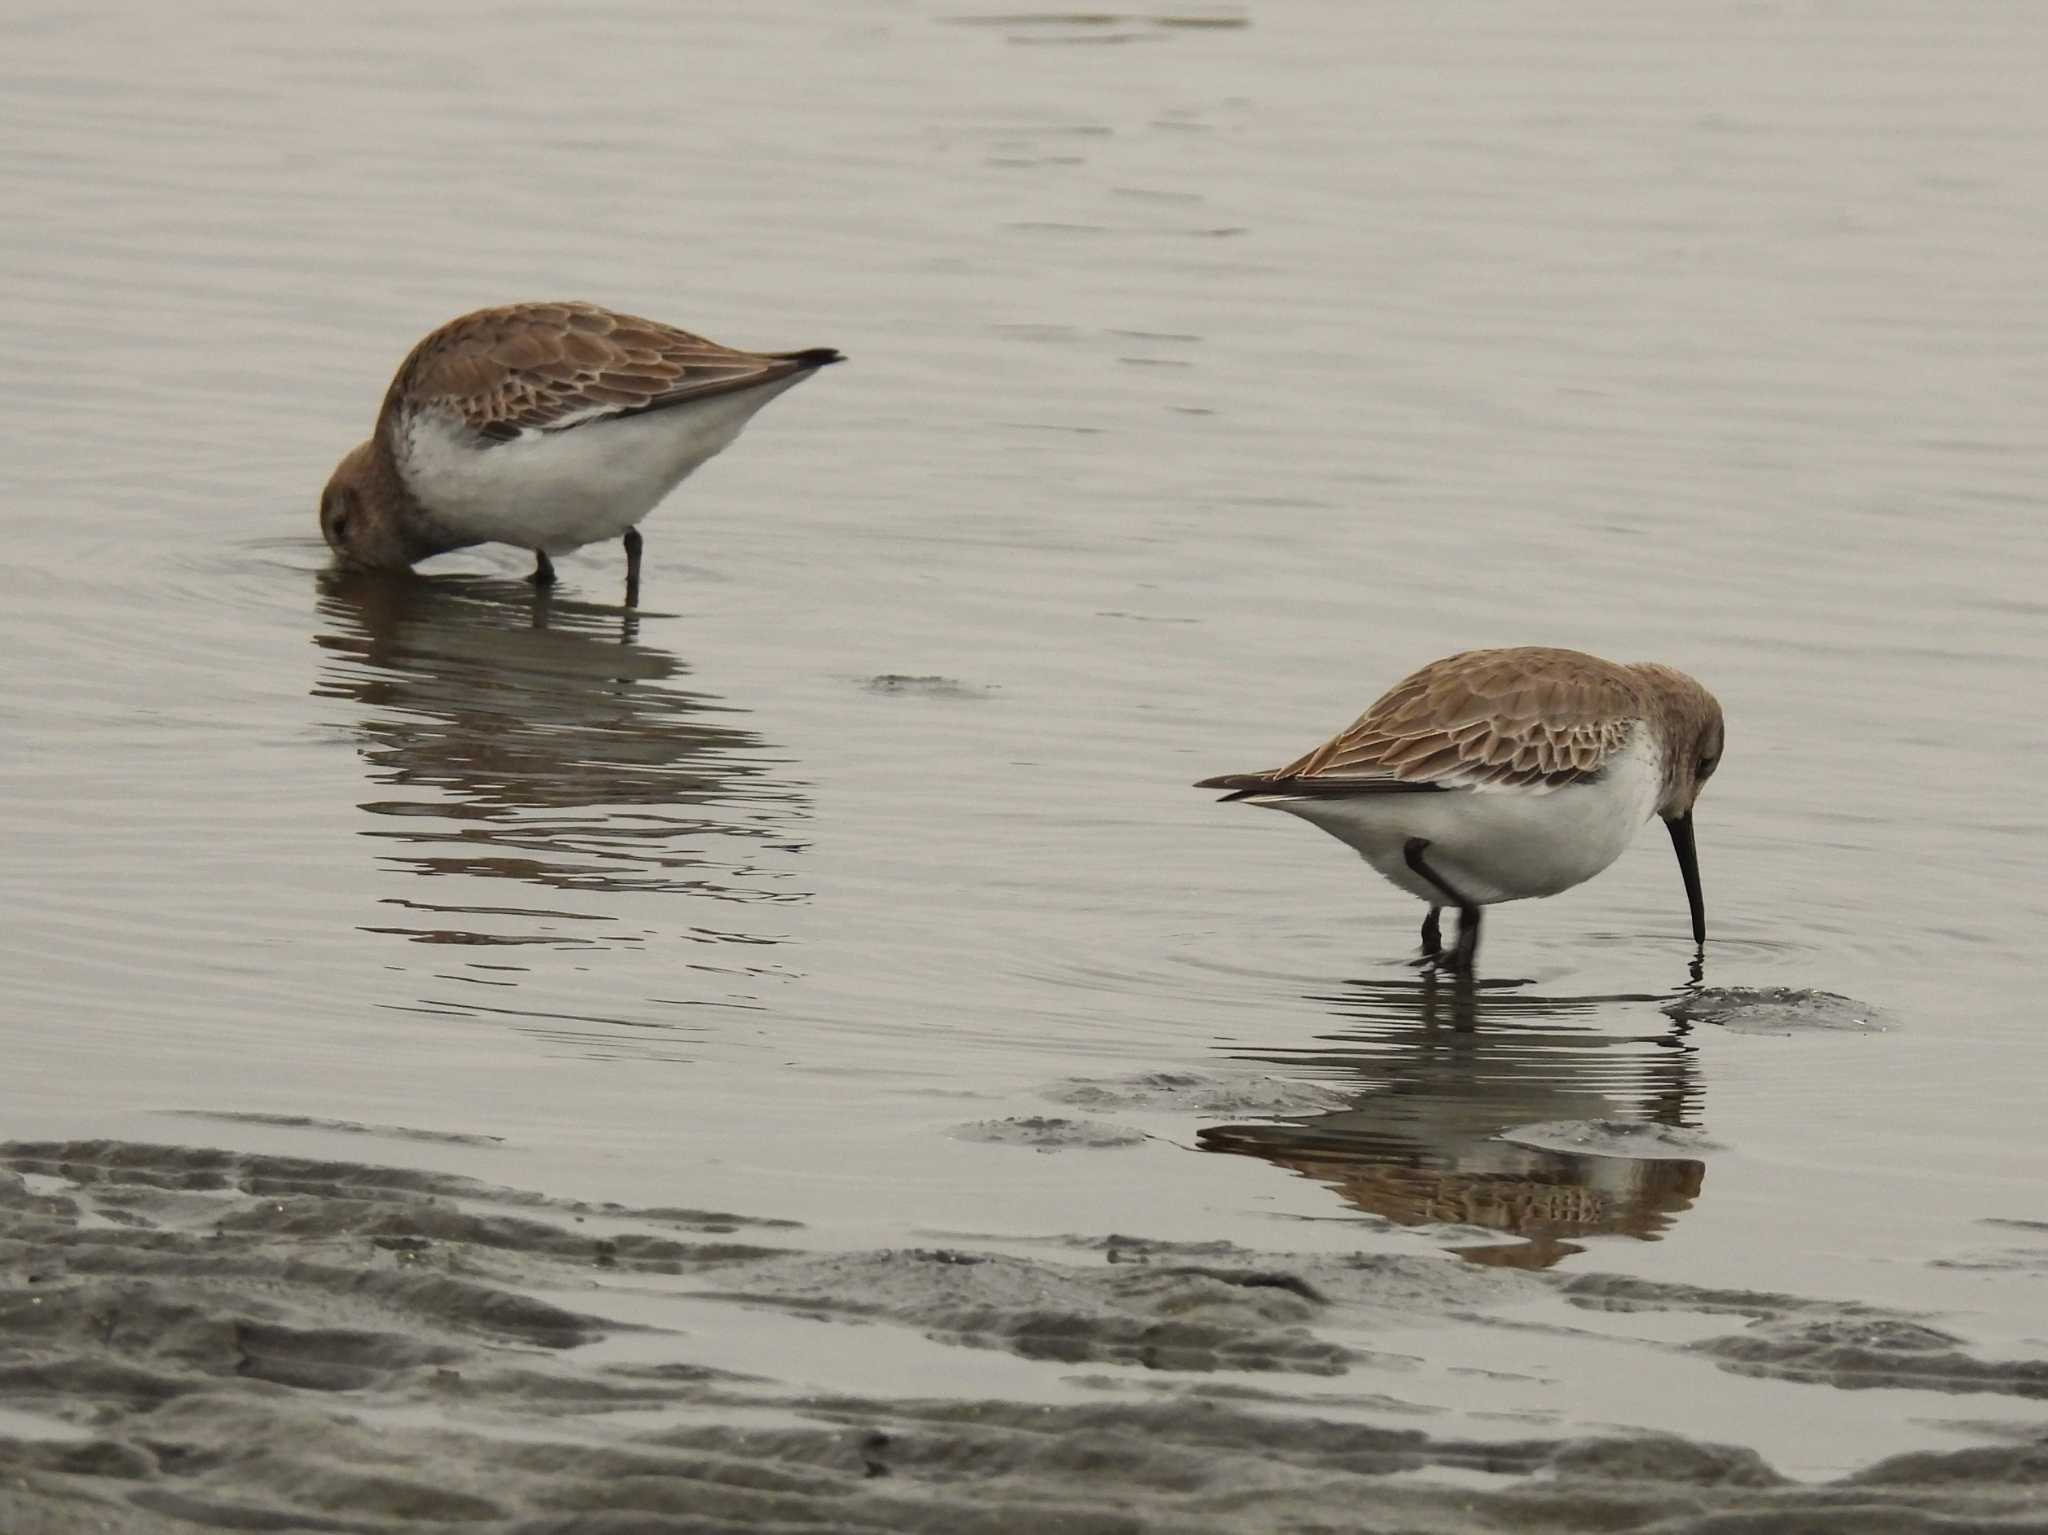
(1497, 775)
(549, 426)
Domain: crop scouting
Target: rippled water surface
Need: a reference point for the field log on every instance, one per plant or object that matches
(1209, 371)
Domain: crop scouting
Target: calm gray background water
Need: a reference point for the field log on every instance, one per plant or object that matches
(1205, 378)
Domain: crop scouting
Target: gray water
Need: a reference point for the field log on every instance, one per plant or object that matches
(1208, 372)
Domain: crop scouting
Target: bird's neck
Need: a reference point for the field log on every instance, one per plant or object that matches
(410, 519)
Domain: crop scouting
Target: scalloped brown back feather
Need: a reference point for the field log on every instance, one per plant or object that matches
(553, 366)
(1524, 717)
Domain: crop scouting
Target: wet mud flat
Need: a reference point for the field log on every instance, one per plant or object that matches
(203, 1339)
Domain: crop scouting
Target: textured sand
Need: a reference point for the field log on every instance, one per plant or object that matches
(196, 1339)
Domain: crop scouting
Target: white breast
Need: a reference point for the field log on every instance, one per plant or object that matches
(1499, 844)
(557, 491)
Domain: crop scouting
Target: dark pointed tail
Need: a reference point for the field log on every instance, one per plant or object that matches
(1240, 785)
(1245, 785)
(812, 356)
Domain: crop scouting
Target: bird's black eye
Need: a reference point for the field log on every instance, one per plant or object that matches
(1706, 767)
(339, 507)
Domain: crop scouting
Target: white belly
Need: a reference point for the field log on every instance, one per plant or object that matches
(557, 491)
(1495, 845)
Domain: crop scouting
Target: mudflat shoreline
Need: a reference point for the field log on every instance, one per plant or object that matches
(193, 1338)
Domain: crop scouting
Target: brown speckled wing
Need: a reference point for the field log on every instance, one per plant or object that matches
(548, 367)
(1522, 718)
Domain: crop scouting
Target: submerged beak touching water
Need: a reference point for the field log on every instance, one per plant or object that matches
(1680, 827)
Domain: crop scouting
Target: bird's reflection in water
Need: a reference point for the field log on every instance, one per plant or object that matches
(514, 737)
(1439, 1071)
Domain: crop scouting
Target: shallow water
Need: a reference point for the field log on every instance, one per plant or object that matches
(1204, 379)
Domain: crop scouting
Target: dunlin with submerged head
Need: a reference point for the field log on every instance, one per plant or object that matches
(549, 426)
(1497, 775)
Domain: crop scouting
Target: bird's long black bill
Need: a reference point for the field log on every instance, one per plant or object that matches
(1680, 827)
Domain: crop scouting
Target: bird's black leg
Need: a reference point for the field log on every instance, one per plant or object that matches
(543, 569)
(1432, 936)
(1468, 914)
(1468, 940)
(632, 567)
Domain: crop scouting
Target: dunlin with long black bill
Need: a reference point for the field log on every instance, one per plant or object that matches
(1498, 775)
(548, 426)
